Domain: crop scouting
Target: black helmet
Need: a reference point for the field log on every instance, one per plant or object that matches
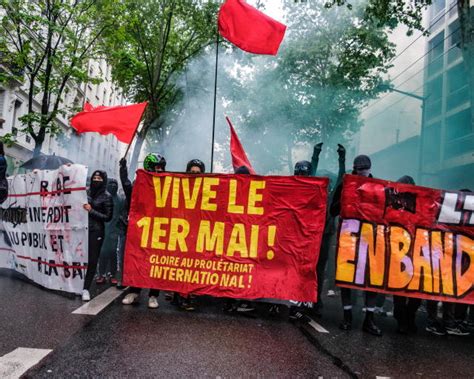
(197, 163)
(362, 162)
(407, 179)
(303, 168)
(153, 160)
(242, 170)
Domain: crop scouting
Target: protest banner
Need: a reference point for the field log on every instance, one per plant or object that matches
(406, 240)
(44, 227)
(238, 236)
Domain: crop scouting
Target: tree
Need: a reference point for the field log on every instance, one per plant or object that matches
(331, 62)
(150, 47)
(390, 13)
(46, 45)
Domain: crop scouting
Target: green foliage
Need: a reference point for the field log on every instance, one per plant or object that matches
(46, 45)
(330, 64)
(152, 43)
(390, 13)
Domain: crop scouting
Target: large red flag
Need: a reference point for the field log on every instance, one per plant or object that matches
(250, 29)
(239, 158)
(121, 121)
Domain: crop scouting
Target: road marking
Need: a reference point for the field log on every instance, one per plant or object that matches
(20, 360)
(97, 304)
(317, 327)
(382, 377)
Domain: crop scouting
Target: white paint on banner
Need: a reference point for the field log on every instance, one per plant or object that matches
(43, 227)
(98, 303)
(20, 360)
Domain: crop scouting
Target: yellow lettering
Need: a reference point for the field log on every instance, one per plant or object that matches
(254, 197)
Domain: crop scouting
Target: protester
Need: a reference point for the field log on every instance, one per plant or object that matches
(194, 166)
(233, 305)
(405, 308)
(152, 163)
(3, 175)
(464, 320)
(362, 166)
(113, 230)
(100, 207)
(330, 226)
(453, 315)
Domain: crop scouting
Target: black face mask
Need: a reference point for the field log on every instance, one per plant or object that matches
(96, 185)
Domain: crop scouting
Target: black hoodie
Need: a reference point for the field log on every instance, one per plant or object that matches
(101, 203)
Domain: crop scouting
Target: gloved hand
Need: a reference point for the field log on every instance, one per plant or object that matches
(341, 151)
(123, 163)
(317, 149)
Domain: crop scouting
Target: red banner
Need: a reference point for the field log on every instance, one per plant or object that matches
(239, 236)
(406, 240)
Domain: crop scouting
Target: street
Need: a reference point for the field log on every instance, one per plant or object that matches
(132, 341)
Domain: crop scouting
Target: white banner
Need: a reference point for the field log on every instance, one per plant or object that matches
(44, 227)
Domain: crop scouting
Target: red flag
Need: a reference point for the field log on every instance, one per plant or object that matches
(250, 29)
(121, 121)
(239, 158)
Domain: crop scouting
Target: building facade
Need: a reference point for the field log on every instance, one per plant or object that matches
(90, 149)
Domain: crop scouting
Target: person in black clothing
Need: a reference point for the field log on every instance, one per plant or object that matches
(362, 166)
(113, 230)
(405, 308)
(453, 320)
(100, 207)
(152, 163)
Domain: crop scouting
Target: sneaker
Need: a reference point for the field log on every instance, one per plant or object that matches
(153, 302)
(435, 328)
(188, 306)
(468, 325)
(331, 293)
(370, 327)
(457, 330)
(100, 280)
(245, 307)
(274, 310)
(299, 316)
(113, 281)
(86, 296)
(130, 298)
(169, 296)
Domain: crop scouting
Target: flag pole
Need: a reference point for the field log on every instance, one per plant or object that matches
(215, 100)
(135, 133)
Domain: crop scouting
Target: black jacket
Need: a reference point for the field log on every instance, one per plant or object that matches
(102, 205)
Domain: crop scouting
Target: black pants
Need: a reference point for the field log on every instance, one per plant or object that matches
(346, 297)
(404, 308)
(322, 262)
(460, 312)
(432, 310)
(108, 257)
(95, 243)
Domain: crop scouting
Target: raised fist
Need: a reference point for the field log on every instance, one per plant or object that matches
(317, 148)
(341, 151)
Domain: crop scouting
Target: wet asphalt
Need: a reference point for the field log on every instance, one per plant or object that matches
(133, 341)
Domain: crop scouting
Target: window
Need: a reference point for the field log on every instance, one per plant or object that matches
(435, 54)
(458, 90)
(433, 92)
(431, 143)
(28, 138)
(16, 114)
(458, 125)
(454, 41)
(437, 6)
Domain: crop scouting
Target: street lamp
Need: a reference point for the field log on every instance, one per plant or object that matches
(387, 87)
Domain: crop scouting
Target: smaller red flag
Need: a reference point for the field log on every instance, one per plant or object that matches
(239, 158)
(121, 121)
(250, 29)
